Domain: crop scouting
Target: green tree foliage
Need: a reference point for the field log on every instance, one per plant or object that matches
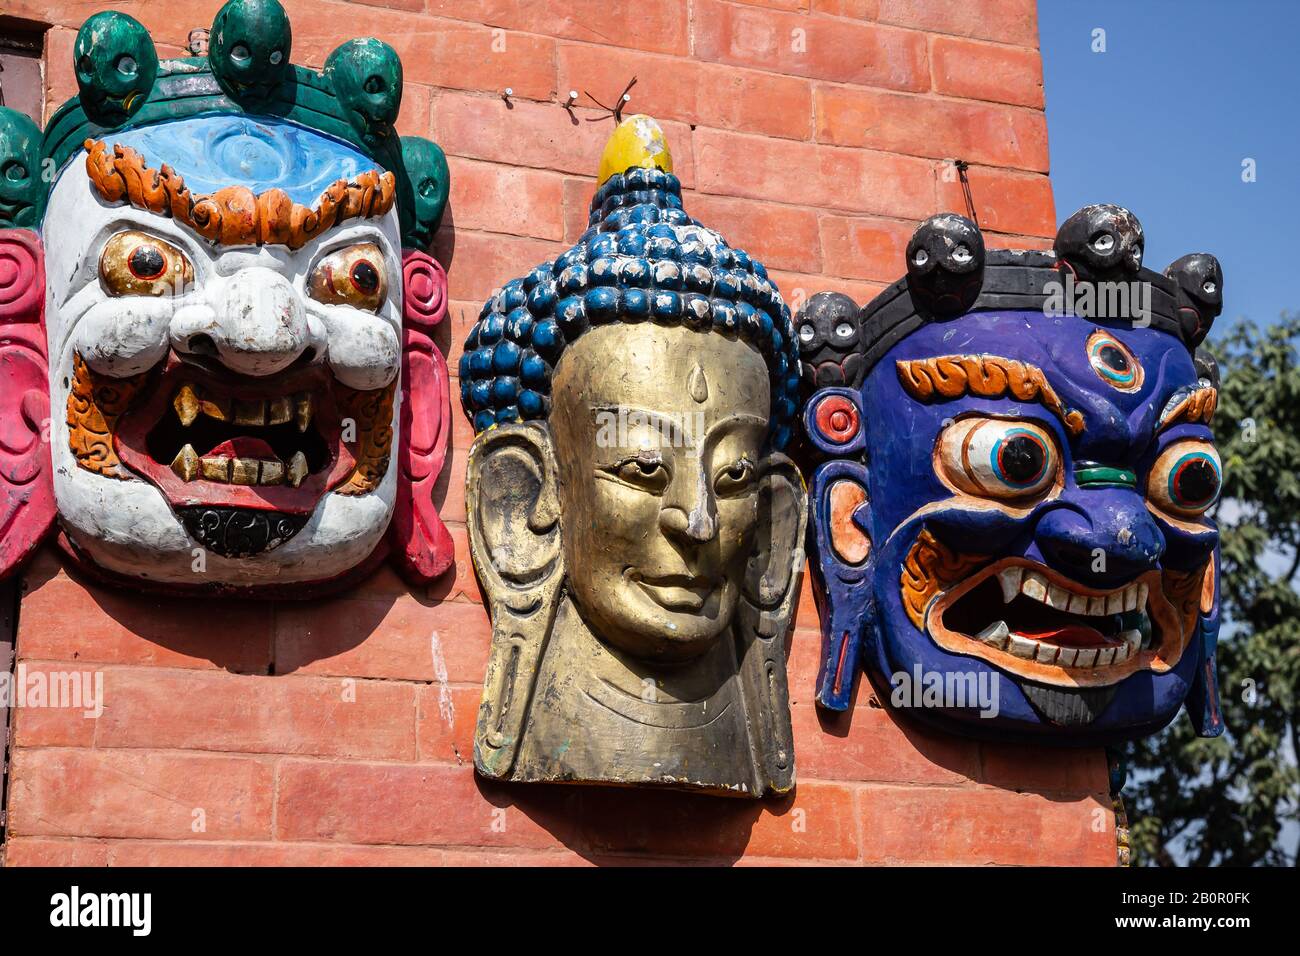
(1226, 801)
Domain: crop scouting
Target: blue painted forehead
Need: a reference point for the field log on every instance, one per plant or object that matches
(642, 259)
(215, 151)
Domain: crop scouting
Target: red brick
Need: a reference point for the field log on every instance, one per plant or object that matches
(450, 496)
(1045, 769)
(407, 804)
(471, 57)
(925, 126)
(513, 199)
(865, 248)
(853, 9)
(54, 722)
(133, 853)
(436, 52)
(1005, 201)
(348, 637)
(133, 794)
(826, 48)
(660, 26)
(777, 4)
(986, 71)
(870, 743)
(577, 207)
(816, 823)
(930, 825)
(670, 88)
(194, 710)
(782, 237)
(446, 720)
(417, 106)
(811, 175)
(459, 583)
(67, 620)
(480, 263)
(462, 315)
(998, 240)
(540, 135)
(43, 851)
(1007, 21)
(797, 288)
(60, 81)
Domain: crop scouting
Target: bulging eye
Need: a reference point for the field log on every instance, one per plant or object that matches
(734, 477)
(961, 255)
(844, 330)
(1208, 287)
(354, 276)
(1186, 479)
(1103, 243)
(996, 458)
(136, 263)
(806, 333)
(1113, 362)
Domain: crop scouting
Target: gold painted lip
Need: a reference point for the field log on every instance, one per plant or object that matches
(1043, 663)
(676, 592)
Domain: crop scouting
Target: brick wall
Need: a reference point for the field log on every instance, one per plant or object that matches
(814, 134)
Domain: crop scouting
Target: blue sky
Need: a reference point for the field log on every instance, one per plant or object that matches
(1161, 121)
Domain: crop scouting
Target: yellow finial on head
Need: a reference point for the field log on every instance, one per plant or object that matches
(638, 141)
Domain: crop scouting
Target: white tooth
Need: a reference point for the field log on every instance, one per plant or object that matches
(1022, 647)
(1086, 657)
(243, 471)
(279, 410)
(1132, 640)
(216, 468)
(1105, 656)
(1067, 656)
(1078, 605)
(297, 468)
(272, 473)
(1115, 602)
(186, 404)
(1046, 653)
(186, 463)
(1058, 598)
(303, 408)
(1034, 586)
(995, 634)
(1131, 597)
(1121, 654)
(1009, 578)
(1096, 606)
(1143, 591)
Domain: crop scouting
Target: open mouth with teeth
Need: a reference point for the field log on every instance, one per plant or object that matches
(208, 440)
(1036, 623)
(1022, 612)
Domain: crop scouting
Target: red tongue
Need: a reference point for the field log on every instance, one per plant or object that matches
(1074, 635)
(242, 447)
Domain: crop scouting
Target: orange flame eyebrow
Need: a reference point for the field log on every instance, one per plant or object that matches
(235, 215)
(947, 377)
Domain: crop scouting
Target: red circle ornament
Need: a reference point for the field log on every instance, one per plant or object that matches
(837, 419)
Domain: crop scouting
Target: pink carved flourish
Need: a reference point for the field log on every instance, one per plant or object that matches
(421, 547)
(26, 488)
